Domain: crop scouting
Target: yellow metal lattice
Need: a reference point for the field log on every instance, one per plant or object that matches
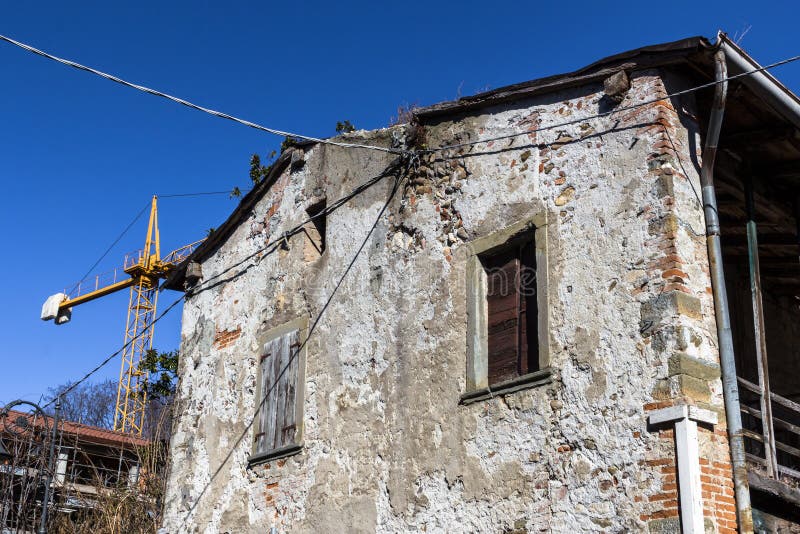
(144, 271)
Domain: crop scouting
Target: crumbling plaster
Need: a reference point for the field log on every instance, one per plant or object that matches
(387, 446)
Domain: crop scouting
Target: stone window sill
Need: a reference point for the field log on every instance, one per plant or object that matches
(532, 380)
(276, 454)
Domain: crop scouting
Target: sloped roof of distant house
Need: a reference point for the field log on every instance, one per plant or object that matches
(764, 108)
(85, 433)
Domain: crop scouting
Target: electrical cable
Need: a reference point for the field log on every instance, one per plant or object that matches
(371, 147)
(188, 104)
(125, 231)
(272, 243)
(200, 194)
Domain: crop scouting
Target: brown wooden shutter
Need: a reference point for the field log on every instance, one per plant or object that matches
(503, 314)
(277, 418)
(513, 347)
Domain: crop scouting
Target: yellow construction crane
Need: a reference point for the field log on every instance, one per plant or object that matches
(141, 271)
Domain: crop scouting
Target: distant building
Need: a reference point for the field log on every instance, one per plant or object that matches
(88, 460)
(527, 340)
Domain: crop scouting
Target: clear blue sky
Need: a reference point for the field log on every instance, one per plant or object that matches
(80, 156)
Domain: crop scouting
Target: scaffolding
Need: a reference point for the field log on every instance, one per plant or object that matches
(90, 463)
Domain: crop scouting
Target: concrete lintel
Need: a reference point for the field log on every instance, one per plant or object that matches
(683, 411)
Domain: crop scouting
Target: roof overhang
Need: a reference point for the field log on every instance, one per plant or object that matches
(660, 55)
(762, 84)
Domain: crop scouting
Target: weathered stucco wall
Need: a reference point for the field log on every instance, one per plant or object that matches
(388, 446)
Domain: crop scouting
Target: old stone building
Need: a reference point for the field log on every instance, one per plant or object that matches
(503, 320)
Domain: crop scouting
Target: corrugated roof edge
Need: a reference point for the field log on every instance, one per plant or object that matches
(647, 56)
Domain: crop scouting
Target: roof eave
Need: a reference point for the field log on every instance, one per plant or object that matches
(645, 57)
(763, 84)
(175, 279)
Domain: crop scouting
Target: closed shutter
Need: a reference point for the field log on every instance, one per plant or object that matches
(513, 348)
(277, 423)
(503, 316)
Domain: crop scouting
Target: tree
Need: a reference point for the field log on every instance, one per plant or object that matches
(89, 403)
(163, 370)
(344, 127)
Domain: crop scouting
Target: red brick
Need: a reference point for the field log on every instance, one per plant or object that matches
(660, 514)
(661, 497)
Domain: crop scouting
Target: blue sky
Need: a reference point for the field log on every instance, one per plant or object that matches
(80, 156)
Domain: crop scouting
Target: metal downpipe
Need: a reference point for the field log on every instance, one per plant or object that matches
(730, 385)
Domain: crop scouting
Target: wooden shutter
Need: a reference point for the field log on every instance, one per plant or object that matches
(511, 313)
(503, 314)
(277, 423)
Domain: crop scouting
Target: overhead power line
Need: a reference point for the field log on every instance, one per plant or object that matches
(347, 145)
(378, 148)
(111, 246)
(228, 192)
(190, 104)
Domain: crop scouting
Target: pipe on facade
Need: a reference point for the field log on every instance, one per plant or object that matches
(730, 384)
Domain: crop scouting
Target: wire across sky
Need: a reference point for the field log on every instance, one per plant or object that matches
(275, 131)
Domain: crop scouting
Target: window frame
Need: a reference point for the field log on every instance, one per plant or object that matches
(477, 382)
(256, 457)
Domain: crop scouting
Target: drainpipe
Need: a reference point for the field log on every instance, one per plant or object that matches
(730, 386)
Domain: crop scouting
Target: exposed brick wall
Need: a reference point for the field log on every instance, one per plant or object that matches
(663, 504)
(719, 503)
(226, 338)
(677, 249)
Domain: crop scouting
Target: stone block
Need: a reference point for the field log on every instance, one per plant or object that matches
(668, 304)
(681, 363)
(667, 225)
(617, 85)
(669, 525)
(692, 387)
